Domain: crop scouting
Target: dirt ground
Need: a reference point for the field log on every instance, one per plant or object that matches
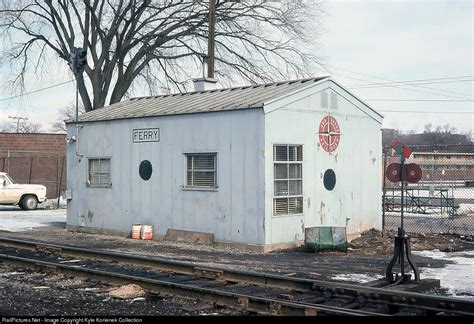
(367, 255)
(375, 242)
(26, 292)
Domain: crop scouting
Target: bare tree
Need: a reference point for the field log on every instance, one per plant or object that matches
(428, 127)
(157, 42)
(23, 127)
(29, 127)
(446, 128)
(65, 113)
(7, 127)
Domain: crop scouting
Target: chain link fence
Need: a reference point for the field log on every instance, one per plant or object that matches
(442, 201)
(37, 167)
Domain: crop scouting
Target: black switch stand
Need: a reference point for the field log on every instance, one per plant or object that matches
(402, 244)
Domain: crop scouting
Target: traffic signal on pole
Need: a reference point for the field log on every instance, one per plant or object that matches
(81, 58)
(77, 59)
(73, 60)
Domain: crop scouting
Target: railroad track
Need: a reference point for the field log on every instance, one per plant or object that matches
(242, 290)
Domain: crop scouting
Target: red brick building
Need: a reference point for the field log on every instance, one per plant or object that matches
(35, 158)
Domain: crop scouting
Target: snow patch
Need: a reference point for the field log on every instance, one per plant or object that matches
(458, 277)
(16, 220)
(14, 273)
(53, 203)
(465, 209)
(356, 277)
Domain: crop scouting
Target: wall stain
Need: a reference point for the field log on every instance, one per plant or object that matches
(309, 202)
(90, 215)
(373, 160)
(321, 211)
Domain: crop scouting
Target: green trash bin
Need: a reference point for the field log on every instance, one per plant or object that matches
(325, 238)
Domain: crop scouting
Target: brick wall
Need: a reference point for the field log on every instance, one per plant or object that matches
(35, 158)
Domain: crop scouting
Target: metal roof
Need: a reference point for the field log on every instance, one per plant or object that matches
(253, 96)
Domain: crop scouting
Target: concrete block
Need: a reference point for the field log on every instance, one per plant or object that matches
(189, 236)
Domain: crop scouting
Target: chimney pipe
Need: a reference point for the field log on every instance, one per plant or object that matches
(204, 83)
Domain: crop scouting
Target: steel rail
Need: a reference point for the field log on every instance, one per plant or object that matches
(392, 297)
(224, 298)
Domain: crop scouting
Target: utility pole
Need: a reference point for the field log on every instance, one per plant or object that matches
(77, 63)
(18, 122)
(210, 39)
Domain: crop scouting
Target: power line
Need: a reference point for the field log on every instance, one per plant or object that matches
(36, 91)
(436, 100)
(435, 79)
(383, 79)
(425, 112)
(395, 86)
(411, 83)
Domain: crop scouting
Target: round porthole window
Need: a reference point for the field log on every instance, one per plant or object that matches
(145, 170)
(329, 179)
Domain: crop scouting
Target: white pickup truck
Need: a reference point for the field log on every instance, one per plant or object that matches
(27, 196)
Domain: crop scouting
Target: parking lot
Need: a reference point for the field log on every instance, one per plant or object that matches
(14, 219)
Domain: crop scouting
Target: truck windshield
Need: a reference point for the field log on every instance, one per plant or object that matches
(9, 179)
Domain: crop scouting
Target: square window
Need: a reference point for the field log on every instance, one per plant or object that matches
(201, 171)
(99, 173)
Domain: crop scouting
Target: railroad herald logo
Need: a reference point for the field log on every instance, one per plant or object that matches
(329, 133)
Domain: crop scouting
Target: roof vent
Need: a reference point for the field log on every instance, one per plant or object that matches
(333, 100)
(324, 99)
(205, 83)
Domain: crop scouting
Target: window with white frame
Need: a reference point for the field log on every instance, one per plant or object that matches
(201, 170)
(99, 172)
(288, 179)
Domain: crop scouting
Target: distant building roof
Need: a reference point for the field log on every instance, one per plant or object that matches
(253, 96)
(443, 149)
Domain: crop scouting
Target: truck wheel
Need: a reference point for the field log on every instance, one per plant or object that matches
(29, 202)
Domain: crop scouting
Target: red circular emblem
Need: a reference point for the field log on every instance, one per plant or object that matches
(329, 133)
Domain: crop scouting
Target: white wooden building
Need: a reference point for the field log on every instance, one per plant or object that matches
(252, 165)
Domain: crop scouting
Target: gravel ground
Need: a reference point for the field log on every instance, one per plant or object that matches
(298, 263)
(25, 292)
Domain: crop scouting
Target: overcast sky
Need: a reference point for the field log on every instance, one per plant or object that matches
(363, 42)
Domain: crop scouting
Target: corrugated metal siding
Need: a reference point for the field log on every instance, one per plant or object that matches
(197, 102)
(354, 202)
(234, 212)
(241, 210)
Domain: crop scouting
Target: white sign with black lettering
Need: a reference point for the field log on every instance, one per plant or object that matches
(143, 135)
